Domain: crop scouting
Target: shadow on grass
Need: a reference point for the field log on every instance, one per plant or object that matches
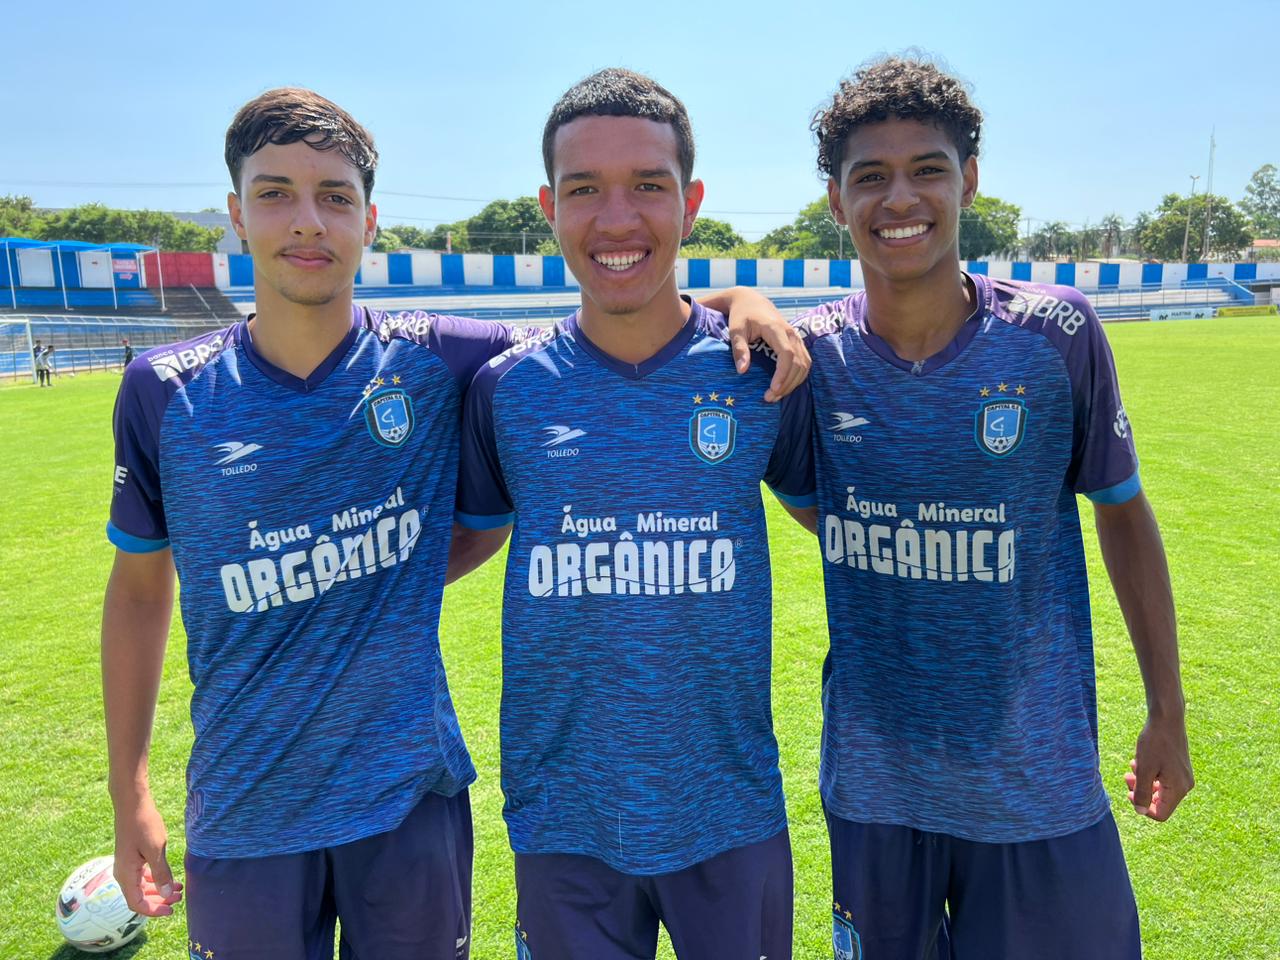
(68, 952)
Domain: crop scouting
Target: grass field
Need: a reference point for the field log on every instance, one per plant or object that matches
(1203, 397)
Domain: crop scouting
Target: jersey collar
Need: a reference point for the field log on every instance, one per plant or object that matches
(637, 371)
(964, 336)
(317, 376)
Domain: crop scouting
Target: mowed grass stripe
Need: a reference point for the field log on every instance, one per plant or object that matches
(1202, 399)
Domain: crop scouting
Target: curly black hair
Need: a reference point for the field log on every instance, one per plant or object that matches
(908, 88)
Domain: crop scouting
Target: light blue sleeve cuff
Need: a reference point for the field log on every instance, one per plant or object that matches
(131, 544)
(799, 502)
(473, 522)
(1120, 493)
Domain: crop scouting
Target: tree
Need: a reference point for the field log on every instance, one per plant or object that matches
(1084, 242)
(1133, 236)
(387, 241)
(1112, 228)
(17, 216)
(98, 223)
(1262, 202)
(712, 234)
(1228, 230)
(508, 226)
(989, 226)
(1050, 240)
(813, 234)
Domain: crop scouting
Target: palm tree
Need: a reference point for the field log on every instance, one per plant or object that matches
(1112, 229)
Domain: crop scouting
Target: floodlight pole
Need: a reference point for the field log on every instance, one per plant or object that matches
(160, 272)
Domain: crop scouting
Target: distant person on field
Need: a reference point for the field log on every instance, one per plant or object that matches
(36, 352)
(44, 367)
(299, 467)
(128, 351)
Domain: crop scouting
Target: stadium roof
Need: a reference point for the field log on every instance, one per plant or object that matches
(19, 242)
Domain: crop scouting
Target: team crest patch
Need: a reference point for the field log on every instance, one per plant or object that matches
(1002, 419)
(713, 430)
(844, 938)
(389, 414)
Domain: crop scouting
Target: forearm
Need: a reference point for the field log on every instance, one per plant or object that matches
(135, 628)
(1135, 559)
(469, 549)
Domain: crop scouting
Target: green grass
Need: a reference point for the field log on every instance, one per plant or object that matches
(1202, 396)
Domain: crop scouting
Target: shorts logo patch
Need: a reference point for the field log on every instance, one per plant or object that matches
(389, 414)
(522, 944)
(1001, 420)
(713, 431)
(845, 941)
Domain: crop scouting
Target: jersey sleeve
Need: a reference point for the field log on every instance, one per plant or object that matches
(1104, 462)
(790, 474)
(137, 522)
(824, 319)
(466, 345)
(483, 501)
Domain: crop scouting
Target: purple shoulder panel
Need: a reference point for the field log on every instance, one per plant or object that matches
(828, 318)
(1103, 456)
(137, 521)
(462, 343)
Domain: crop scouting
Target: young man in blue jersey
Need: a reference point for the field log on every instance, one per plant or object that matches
(297, 472)
(638, 758)
(957, 419)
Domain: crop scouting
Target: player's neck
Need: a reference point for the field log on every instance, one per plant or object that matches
(295, 337)
(635, 337)
(918, 318)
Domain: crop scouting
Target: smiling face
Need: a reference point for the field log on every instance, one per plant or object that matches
(304, 215)
(900, 190)
(618, 210)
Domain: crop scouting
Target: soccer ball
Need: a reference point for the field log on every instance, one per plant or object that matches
(91, 912)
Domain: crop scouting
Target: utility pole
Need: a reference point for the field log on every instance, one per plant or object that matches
(1208, 198)
(1186, 231)
(524, 235)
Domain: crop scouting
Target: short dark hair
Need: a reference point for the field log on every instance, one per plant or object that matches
(289, 114)
(616, 92)
(906, 88)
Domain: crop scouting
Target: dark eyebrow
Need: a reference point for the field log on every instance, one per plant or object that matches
(324, 184)
(654, 174)
(935, 155)
(581, 175)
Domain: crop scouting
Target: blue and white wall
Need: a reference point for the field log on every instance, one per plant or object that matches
(482, 270)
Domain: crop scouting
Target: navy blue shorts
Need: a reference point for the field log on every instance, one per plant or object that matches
(401, 895)
(736, 905)
(904, 894)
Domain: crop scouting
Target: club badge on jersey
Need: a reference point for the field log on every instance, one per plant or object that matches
(713, 430)
(1001, 420)
(389, 414)
(844, 938)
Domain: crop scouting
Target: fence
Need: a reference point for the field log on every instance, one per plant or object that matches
(82, 344)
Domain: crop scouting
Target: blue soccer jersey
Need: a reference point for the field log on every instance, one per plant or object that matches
(309, 522)
(958, 692)
(636, 622)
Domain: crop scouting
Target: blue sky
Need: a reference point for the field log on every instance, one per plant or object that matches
(1090, 107)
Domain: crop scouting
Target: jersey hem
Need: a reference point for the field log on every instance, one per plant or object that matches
(652, 869)
(131, 544)
(926, 825)
(385, 824)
